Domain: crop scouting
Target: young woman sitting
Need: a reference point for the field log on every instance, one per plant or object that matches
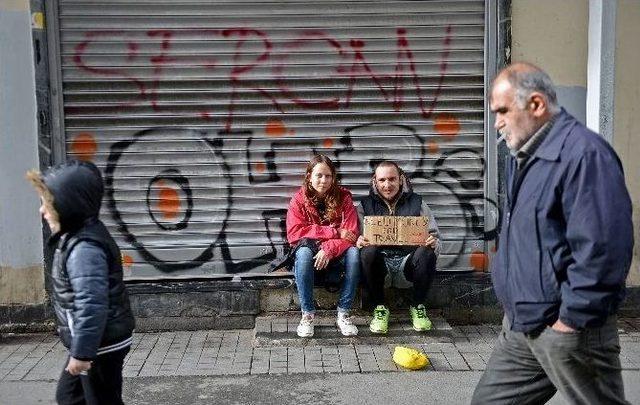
(322, 228)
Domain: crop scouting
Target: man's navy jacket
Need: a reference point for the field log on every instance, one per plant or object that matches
(566, 236)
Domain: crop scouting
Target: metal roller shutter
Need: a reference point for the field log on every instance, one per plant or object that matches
(202, 116)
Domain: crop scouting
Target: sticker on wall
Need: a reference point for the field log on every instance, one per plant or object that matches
(37, 21)
(84, 146)
(447, 125)
(479, 261)
(276, 128)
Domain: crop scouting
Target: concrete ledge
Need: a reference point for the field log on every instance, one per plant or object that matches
(207, 285)
(181, 308)
(449, 290)
(631, 305)
(164, 323)
(280, 330)
(461, 298)
(26, 318)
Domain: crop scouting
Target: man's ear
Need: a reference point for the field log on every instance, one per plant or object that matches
(537, 104)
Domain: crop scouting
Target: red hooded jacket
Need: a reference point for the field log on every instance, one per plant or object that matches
(303, 221)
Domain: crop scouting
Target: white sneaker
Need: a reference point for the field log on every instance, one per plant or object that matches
(305, 327)
(345, 324)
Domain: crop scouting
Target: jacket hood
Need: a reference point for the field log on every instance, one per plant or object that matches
(77, 191)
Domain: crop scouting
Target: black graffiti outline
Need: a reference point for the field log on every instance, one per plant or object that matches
(115, 153)
(174, 176)
(270, 158)
(230, 266)
(249, 264)
(348, 147)
(472, 219)
(473, 224)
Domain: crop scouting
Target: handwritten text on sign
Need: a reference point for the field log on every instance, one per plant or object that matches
(396, 230)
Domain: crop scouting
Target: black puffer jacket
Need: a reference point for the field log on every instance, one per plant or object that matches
(89, 295)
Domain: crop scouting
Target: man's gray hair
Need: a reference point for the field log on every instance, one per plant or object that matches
(533, 79)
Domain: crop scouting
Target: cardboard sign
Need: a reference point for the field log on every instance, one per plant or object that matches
(393, 230)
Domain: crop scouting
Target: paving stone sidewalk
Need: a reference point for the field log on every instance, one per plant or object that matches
(237, 352)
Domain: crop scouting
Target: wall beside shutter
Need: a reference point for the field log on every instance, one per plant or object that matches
(202, 116)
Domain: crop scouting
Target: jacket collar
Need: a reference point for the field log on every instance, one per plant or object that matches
(551, 147)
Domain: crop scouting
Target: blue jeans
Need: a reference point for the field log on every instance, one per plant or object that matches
(348, 263)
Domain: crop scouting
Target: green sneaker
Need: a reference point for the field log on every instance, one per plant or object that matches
(419, 318)
(380, 321)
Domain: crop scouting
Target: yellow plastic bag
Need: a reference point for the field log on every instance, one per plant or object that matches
(410, 358)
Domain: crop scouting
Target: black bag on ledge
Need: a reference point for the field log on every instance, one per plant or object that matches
(331, 280)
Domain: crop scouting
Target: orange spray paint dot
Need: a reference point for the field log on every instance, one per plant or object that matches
(260, 167)
(479, 261)
(169, 203)
(447, 125)
(127, 260)
(275, 128)
(84, 146)
(433, 147)
(327, 143)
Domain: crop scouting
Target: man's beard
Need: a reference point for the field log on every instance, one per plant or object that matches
(504, 134)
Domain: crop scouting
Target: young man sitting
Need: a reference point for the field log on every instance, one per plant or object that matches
(404, 266)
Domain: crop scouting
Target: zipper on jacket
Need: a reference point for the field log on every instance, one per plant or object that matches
(391, 208)
(70, 321)
(512, 200)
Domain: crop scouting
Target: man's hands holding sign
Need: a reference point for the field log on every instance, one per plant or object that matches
(396, 230)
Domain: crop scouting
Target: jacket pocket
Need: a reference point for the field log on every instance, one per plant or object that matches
(549, 288)
(548, 279)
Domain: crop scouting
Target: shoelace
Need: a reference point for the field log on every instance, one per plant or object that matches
(379, 313)
(421, 312)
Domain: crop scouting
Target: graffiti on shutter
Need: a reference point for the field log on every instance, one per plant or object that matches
(202, 117)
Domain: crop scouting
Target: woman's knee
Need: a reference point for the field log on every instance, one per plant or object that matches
(352, 259)
(303, 263)
(353, 253)
(304, 253)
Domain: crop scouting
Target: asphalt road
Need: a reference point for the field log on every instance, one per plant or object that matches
(369, 388)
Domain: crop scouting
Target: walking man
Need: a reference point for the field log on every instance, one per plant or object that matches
(564, 252)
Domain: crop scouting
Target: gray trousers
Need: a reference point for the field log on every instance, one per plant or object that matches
(524, 369)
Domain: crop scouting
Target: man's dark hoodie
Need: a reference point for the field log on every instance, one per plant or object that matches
(89, 295)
